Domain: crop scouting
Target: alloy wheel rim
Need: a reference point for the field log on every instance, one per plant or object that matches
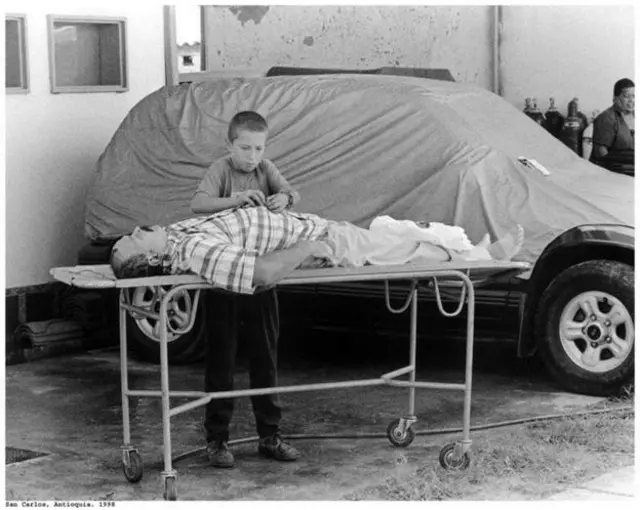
(178, 310)
(596, 331)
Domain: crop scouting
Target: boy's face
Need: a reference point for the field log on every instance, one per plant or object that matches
(247, 149)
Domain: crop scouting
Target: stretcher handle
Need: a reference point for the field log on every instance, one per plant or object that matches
(457, 311)
(173, 290)
(192, 313)
(407, 302)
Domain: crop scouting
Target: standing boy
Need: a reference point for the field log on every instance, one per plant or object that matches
(244, 178)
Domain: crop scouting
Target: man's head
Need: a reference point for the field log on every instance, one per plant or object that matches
(140, 253)
(624, 95)
(248, 133)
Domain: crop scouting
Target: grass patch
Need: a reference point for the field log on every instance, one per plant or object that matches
(531, 461)
(625, 396)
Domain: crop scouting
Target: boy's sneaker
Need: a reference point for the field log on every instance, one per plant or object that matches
(219, 455)
(274, 447)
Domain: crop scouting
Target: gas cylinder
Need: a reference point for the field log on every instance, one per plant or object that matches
(583, 117)
(535, 112)
(587, 136)
(572, 128)
(584, 122)
(553, 119)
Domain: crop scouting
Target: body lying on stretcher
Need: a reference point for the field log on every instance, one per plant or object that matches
(241, 250)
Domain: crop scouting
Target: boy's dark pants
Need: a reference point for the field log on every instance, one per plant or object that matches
(252, 319)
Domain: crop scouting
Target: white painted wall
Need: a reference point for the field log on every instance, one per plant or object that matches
(53, 140)
(566, 52)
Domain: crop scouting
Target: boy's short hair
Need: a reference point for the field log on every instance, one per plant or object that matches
(251, 121)
(624, 83)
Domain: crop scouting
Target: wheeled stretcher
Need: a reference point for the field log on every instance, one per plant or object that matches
(463, 275)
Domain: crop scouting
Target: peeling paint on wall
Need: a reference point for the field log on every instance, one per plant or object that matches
(355, 37)
(246, 13)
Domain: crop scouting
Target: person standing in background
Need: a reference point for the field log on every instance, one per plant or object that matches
(614, 129)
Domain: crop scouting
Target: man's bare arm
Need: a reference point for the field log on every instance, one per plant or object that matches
(272, 267)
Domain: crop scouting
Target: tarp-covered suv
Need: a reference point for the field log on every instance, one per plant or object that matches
(359, 146)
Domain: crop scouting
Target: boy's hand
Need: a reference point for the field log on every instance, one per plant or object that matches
(278, 202)
(252, 197)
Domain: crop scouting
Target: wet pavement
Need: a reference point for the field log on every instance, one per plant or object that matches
(69, 407)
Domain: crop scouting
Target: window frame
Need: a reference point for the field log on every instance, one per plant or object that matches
(24, 54)
(172, 75)
(120, 22)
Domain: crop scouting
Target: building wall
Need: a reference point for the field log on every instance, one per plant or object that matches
(560, 51)
(566, 52)
(53, 140)
(259, 37)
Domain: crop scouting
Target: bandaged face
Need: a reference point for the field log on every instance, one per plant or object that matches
(148, 241)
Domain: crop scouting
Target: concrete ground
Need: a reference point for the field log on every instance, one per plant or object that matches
(619, 485)
(69, 408)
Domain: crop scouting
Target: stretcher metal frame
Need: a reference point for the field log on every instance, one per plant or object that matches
(464, 276)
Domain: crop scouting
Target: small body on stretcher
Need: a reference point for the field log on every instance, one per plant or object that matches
(465, 274)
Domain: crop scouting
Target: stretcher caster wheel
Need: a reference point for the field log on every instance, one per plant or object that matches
(170, 490)
(133, 470)
(448, 462)
(399, 437)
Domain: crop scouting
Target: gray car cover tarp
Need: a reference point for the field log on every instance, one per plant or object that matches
(357, 147)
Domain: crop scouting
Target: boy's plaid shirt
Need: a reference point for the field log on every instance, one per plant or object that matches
(223, 247)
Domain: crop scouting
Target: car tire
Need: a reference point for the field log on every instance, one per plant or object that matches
(584, 327)
(181, 349)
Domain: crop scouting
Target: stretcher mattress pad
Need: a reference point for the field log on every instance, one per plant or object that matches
(102, 277)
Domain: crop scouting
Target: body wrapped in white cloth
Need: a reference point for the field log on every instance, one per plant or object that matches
(388, 242)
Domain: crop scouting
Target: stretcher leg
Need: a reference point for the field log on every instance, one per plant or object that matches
(399, 431)
(471, 307)
(456, 455)
(412, 353)
(169, 474)
(131, 460)
(124, 375)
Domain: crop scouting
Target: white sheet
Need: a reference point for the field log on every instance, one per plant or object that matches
(390, 242)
